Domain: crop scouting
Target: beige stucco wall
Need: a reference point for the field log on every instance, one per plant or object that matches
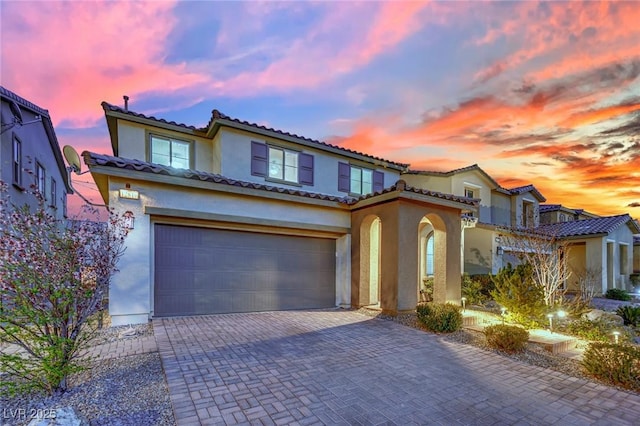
(400, 251)
(456, 184)
(235, 153)
(133, 143)
(131, 292)
(480, 251)
(636, 258)
(500, 209)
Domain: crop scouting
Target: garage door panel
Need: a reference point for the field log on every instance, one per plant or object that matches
(202, 271)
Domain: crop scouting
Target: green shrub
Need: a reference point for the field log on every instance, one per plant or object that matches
(516, 291)
(598, 330)
(617, 294)
(506, 338)
(472, 290)
(630, 315)
(617, 364)
(440, 317)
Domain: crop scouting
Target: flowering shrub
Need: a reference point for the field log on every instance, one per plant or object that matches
(54, 277)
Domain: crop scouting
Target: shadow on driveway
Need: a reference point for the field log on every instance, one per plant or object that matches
(341, 367)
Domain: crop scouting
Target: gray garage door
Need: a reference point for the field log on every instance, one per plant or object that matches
(206, 271)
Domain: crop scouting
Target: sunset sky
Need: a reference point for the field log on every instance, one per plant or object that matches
(534, 92)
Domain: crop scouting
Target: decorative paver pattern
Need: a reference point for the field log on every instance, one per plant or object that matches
(344, 368)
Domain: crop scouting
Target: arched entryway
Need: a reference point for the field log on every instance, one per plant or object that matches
(370, 254)
(432, 276)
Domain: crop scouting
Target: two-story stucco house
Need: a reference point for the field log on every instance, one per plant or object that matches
(483, 251)
(30, 157)
(601, 248)
(238, 217)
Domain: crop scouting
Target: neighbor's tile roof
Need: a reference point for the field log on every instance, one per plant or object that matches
(93, 159)
(6, 93)
(600, 225)
(544, 208)
(526, 188)
(218, 117)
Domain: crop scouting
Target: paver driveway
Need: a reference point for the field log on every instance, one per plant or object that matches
(340, 367)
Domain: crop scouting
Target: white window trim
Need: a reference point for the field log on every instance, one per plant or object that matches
(362, 192)
(171, 139)
(284, 151)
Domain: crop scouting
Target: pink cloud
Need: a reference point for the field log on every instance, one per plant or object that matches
(69, 56)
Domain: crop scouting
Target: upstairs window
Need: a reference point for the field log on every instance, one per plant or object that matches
(54, 195)
(528, 214)
(40, 179)
(170, 152)
(281, 164)
(17, 161)
(359, 180)
(469, 193)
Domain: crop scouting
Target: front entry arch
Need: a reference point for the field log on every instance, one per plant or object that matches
(370, 252)
(432, 278)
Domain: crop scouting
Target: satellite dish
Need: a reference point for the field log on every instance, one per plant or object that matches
(15, 110)
(72, 157)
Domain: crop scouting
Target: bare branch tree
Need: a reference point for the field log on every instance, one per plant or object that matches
(546, 253)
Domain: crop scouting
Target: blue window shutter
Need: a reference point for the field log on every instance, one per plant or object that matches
(259, 155)
(305, 169)
(378, 181)
(344, 177)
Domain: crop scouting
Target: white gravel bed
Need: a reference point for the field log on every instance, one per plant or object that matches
(129, 390)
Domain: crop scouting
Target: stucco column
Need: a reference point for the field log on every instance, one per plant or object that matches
(408, 258)
(389, 258)
(453, 263)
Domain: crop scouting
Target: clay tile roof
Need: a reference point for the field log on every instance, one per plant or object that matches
(526, 188)
(109, 107)
(6, 93)
(93, 159)
(402, 185)
(216, 116)
(549, 207)
(600, 225)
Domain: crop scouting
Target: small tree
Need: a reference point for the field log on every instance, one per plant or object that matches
(546, 253)
(53, 279)
(516, 291)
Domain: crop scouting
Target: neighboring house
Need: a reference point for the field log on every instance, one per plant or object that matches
(483, 250)
(636, 262)
(30, 157)
(554, 213)
(600, 250)
(238, 217)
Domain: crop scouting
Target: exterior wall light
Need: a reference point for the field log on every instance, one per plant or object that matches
(128, 220)
(499, 251)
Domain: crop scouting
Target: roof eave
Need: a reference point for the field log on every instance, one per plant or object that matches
(222, 122)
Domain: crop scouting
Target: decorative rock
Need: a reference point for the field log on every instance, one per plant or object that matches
(594, 314)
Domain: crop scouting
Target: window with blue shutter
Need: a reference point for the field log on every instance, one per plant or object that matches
(280, 164)
(344, 177)
(378, 181)
(305, 170)
(259, 159)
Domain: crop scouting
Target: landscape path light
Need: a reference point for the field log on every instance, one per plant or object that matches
(616, 335)
(550, 316)
(504, 311)
(464, 303)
